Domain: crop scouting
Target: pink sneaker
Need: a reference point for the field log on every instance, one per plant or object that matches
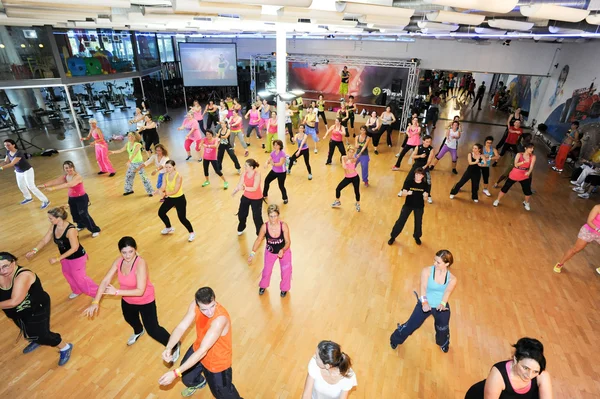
(395, 168)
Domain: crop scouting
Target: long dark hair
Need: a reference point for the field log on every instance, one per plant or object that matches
(331, 353)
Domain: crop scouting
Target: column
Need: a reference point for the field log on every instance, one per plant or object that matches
(280, 48)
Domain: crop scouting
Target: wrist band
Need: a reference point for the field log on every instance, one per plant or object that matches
(252, 253)
(35, 250)
(94, 302)
(443, 303)
(177, 372)
(423, 298)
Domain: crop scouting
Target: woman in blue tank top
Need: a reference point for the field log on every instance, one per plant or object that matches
(437, 284)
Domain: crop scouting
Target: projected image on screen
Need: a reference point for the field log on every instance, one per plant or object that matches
(208, 64)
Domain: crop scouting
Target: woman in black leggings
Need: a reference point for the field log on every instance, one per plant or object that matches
(350, 177)
(374, 129)
(476, 161)
(303, 151)
(277, 160)
(209, 157)
(171, 191)
(337, 139)
(225, 146)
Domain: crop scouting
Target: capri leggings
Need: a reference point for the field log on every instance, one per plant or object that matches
(215, 165)
(355, 181)
(446, 149)
(322, 115)
(188, 144)
(525, 185)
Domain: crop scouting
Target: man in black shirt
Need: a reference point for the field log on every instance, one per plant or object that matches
(415, 192)
(479, 97)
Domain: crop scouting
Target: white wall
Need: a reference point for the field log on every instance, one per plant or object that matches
(483, 77)
(523, 58)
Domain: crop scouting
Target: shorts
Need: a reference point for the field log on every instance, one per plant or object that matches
(343, 88)
(586, 235)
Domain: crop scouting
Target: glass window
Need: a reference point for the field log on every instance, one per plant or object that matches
(86, 52)
(165, 45)
(154, 96)
(147, 50)
(25, 53)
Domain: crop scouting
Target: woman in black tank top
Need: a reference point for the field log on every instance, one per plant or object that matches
(149, 133)
(24, 301)
(73, 257)
(523, 377)
(277, 234)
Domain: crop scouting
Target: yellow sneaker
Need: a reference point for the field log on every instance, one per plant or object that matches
(558, 268)
(598, 270)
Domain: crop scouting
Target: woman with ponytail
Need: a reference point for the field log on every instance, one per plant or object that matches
(330, 375)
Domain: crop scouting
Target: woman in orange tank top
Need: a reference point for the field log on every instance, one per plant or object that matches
(252, 197)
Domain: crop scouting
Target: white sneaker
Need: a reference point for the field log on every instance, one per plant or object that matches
(73, 295)
(579, 190)
(476, 201)
(496, 203)
(429, 200)
(316, 151)
(526, 205)
(451, 196)
(397, 155)
(574, 182)
(94, 235)
(168, 230)
(400, 193)
(191, 237)
(134, 337)
(487, 192)
(240, 233)
(584, 195)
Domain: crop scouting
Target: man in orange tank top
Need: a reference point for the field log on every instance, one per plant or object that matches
(208, 360)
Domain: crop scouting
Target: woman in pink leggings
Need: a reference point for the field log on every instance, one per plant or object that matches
(277, 234)
(194, 135)
(588, 233)
(73, 257)
(101, 148)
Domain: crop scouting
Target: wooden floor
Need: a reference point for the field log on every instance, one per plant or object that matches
(348, 284)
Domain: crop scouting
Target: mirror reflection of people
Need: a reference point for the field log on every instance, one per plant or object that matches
(344, 80)
(222, 66)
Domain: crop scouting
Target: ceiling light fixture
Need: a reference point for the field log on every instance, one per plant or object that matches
(437, 26)
(390, 12)
(490, 31)
(499, 6)
(551, 11)
(509, 24)
(456, 17)
(556, 29)
(593, 19)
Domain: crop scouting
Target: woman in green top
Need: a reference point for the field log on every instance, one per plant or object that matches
(321, 108)
(295, 115)
(300, 103)
(134, 148)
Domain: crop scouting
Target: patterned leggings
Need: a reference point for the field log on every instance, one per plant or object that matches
(129, 176)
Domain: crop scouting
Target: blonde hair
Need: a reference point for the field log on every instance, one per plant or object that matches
(59, 212)
(273, 208)
(92, 120)
(136, 136)
(350, 147)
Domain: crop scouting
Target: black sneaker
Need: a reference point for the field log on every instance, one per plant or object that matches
(391, 241)
(445, 348)
(454, 171)
(418, 241)
(128, 193)
(283, 294)
(376, 152)
(394, 346)
(111, 175)
(285, 201)
(261, 291)
(495, 164)
(101, 173)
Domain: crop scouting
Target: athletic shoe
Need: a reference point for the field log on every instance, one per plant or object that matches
(289, 171)
(584, 195)
(395, 168)
(225, 185)
(239, 171)
(283, 294)
(45, 205)
(496, 185)
(206, 183)
(336, 204)
(94, 235)
(79, 228)
(261, 291)
(451, 196)
(496, 203)
(366, 184)
(574, 182)
(134, 337)
(400, 193)
(309, 177)
(327, 163)
(418, 240)
(557, 268)
(389, 145)
(200, 160)
(31, 347)
(495, 164)
(246, 153)
(128, 193)
(446, 347)
(429, 200)
(65, 355)
(454, 171)
(263, 146)
(101, 173)
(188, 158)
(191, 237)
(357, 207)
(376, 152)
(526, 205)
(285, 201)
(167, 230)
(431, 167)
(316, 151)
(475, 200)
(240, 233)
(176, 352)
(192, 390)
(397, 155)
(394, 346)
(487, 192)
(391, 241)
(579, 190)
(598, 270)
(112, 174)
(73, 295)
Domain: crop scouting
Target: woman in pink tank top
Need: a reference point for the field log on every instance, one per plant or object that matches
(136, 292)
(588, 233)
(101, 148)
(78, 199)
(194, 135)
(252, 197)
(350, 177)
(253, 123)
(337, 132)
(521, 172)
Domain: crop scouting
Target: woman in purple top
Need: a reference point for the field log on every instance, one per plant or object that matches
(25, 177)
(278, 170)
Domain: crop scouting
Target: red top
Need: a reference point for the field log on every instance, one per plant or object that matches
(249, 182)
(219, 356)
(513, 135)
